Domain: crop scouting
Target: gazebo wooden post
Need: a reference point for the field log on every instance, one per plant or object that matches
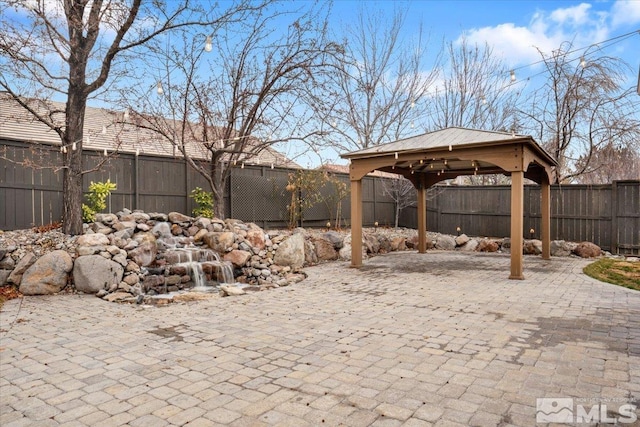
(356, 222)
(545, 206)
(422, 217)
(517, 210)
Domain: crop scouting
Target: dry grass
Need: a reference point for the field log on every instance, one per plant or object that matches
(619, 272)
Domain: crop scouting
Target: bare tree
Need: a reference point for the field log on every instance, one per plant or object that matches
(73, 49)
(227, 107)
(401, 191)
(611, 163)
(474, 93)
(581, 109)
(375, 94)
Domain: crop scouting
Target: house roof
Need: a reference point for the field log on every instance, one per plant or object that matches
(106, 130)
(448, 138)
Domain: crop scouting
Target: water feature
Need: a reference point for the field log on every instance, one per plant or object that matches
(203, 266)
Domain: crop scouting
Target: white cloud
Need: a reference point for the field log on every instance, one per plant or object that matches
(576, 15)
(625, 12)
(547, 30)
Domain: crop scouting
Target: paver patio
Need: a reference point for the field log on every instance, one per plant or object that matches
(442, 338)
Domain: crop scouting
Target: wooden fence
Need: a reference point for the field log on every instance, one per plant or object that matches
(608, 215)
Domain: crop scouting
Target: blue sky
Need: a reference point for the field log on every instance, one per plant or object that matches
(513, 28)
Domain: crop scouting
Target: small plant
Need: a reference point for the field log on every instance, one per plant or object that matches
(204, 200)
(96, 199)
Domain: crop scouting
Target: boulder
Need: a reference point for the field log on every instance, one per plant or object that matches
(238, 257)
(385, 244)
(462, 239)
(106, 218)
(325, 249)
(445, 242)
(4, 275)
(25, 262)
(144, 254)
(255, 237)
(470, 246)
(291, 252)
(92, 273)
(562, 248)
(487, 245)
(177, 218)
(310, 256)
(96, 239)
(371, 242)
(220, 241)
(532, 247)
(398, 243)
(231, 290)
(48, 275)
(335, 238)
(412, 242)
(587, 250)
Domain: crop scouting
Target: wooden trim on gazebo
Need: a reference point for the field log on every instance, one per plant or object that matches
(433, 157)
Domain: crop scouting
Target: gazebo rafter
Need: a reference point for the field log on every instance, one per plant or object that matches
(445, 154)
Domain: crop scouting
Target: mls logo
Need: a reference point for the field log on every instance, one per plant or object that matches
(554, 410)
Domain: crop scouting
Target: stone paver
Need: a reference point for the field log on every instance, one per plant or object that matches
(441, 339)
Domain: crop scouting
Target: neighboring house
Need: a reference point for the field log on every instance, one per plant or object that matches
(110, 131)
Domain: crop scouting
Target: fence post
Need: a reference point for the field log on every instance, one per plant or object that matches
(136, 177)
(614, 217)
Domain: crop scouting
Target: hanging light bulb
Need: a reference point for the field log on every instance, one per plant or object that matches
(126, 114)
(242, 165)
(412, 172)
(137, 152)
(395, 155)
(450, 147)
(64, 150)
(412, 125)
(484, 100)
(208, 45)
(105, 152)
(583, 63)
(421, 161)
(413, 104)
(513, 76)
(271, 165)
(445, 162)
(74, 146)
(159, 88)
(104, 130)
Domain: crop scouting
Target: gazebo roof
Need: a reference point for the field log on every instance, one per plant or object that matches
(453, 151)
(454, 137)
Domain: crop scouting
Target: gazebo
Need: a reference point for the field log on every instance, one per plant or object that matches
(445, 154)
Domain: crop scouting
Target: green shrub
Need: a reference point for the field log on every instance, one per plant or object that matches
(204, 200)
(96, 199)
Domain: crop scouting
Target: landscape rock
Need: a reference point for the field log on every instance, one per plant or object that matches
(488, 245)
(237, 257)
(231, 290)
(587, 250)
(470, 246)
(47, 275)
(532, 247)
(144, 254)
(178, 218)
(445, 242)
(93, 272)
(462, 239)
(291, 252)
(325, 249)
(25, 262)
(562, 248)
(335, 238)
(96, 239)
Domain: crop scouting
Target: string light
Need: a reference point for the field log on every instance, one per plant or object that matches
(105, 152)
(396, 155)
(126, 114)
(513, 76)
(74, 146)
(208, 44)
(583, 63)
(450, 147)
(159, 88)
(137, 152)
(104, 130)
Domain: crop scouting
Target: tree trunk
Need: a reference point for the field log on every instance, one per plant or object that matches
(72, 179)
(397, 213)
(218, 181)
